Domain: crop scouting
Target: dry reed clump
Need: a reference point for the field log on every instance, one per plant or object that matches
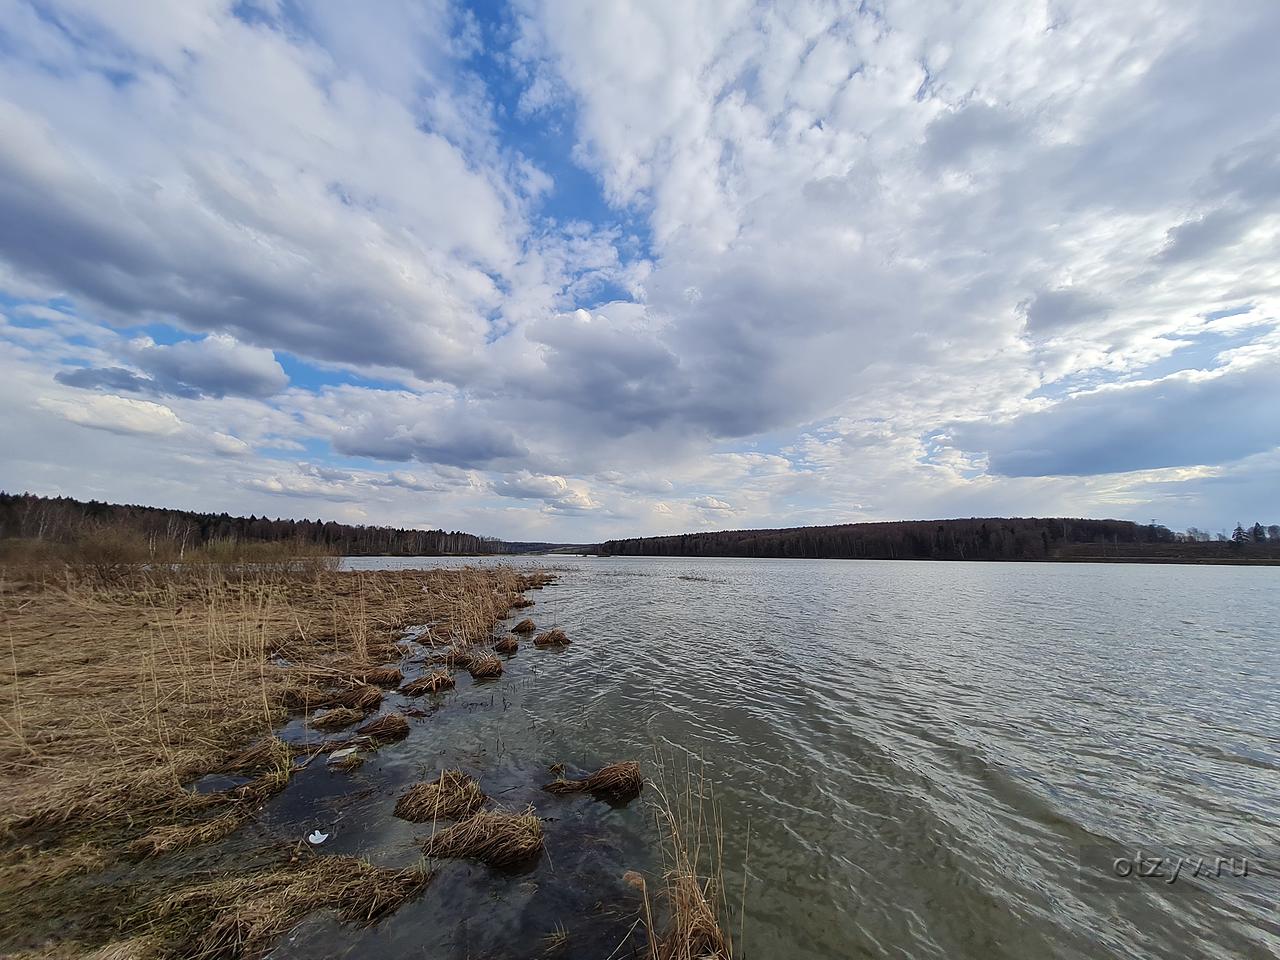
(524, 626)
(336, 719)
(618, 781)
(269, 754)
(552, 638)
(453, 796)
(385, 729)
(178, 836)
(241, 917)
(453, 657)
(521, 603)
(484, 666)
(495, 837)
(433, 682)
(358, 696)
(507, 644)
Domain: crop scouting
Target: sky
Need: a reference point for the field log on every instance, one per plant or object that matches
(555, 270)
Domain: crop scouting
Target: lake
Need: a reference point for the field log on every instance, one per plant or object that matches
(912, 759)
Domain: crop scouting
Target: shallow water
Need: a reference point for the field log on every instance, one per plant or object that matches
(930, 759)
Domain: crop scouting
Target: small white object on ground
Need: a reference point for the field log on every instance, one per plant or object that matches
(342, 754)
(317, 837)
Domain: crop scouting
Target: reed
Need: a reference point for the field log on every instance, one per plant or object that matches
(452, 796)
(495, 837)
(484, 666)
(552, 638)
(385, 729)
(508, 644)
(433, 682)
(336, 719)
(617, 782)
(524, 626)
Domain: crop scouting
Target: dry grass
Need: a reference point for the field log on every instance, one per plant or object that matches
(693, 896)
(552, 638)
(185, 667)
(453, 796)
(524, 626)
(618, 782)
(387, 728)
(242, 916)
(508, 643)
(336, 719)
(495, 837)
(521, 603)
(433, 682)
(484, 666)
(458, 659)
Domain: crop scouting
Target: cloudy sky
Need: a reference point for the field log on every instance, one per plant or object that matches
(568, 270)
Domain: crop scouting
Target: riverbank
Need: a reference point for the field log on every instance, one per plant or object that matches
(153, 717)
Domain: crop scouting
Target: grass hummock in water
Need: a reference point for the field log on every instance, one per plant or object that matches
(454, 795)
(508, 643)
(432, 682)
(618, 781)
(484, 666)
(552, 638)
(336, 719)
(524, 626)
(495, 837)
(385, 729)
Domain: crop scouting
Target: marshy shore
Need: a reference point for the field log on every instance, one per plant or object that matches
(144, 718)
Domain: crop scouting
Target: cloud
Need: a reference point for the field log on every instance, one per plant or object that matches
(118, 415)
(1180, 420)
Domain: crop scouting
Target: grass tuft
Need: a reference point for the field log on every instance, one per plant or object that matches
(453, 796)
(524, 626)
(433, 682)
(552, 638)
(484, 666)
(495, 837)
(618, 782)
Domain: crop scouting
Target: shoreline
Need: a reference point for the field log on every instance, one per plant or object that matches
(131, 696)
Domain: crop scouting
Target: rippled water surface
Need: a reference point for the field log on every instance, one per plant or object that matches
(934, 759)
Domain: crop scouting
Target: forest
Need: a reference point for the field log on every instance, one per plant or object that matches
(978, 538)
(63, 520)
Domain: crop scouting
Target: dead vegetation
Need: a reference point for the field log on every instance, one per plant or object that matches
(508, 644)
(484, 666)
(552, 638)
(241, 917)
(521, 603)
(454, 657)
(693, 897)
(454, 795)
(618, 782)
(336, 719)
(524, 626)
(387, 728)
(433, 682)
(495, 837)
(187, 666)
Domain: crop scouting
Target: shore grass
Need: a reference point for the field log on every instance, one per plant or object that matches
(127, 683)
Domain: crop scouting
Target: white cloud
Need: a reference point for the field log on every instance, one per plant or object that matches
(117, 415)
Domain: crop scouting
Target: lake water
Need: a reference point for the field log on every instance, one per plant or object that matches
(930, 760)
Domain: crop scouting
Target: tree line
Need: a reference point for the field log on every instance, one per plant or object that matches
(63, 520)
(990, 538)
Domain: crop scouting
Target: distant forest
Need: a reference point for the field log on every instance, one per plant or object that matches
(974, 539)
(64, 520)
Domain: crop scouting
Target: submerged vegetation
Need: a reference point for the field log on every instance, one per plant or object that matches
(618, 782)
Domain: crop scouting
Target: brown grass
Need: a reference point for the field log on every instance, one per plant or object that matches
(459, 659)
(508, 643)
(484, 666)
(693, 895)
(336, 719)
(433, 682)
(453, 796)
(241, 917)
(524, 626)
(618, 781)
(385, 729)
(495, 837)
(185, 667)
(521, 603)
(552, 638)
(359, 696)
